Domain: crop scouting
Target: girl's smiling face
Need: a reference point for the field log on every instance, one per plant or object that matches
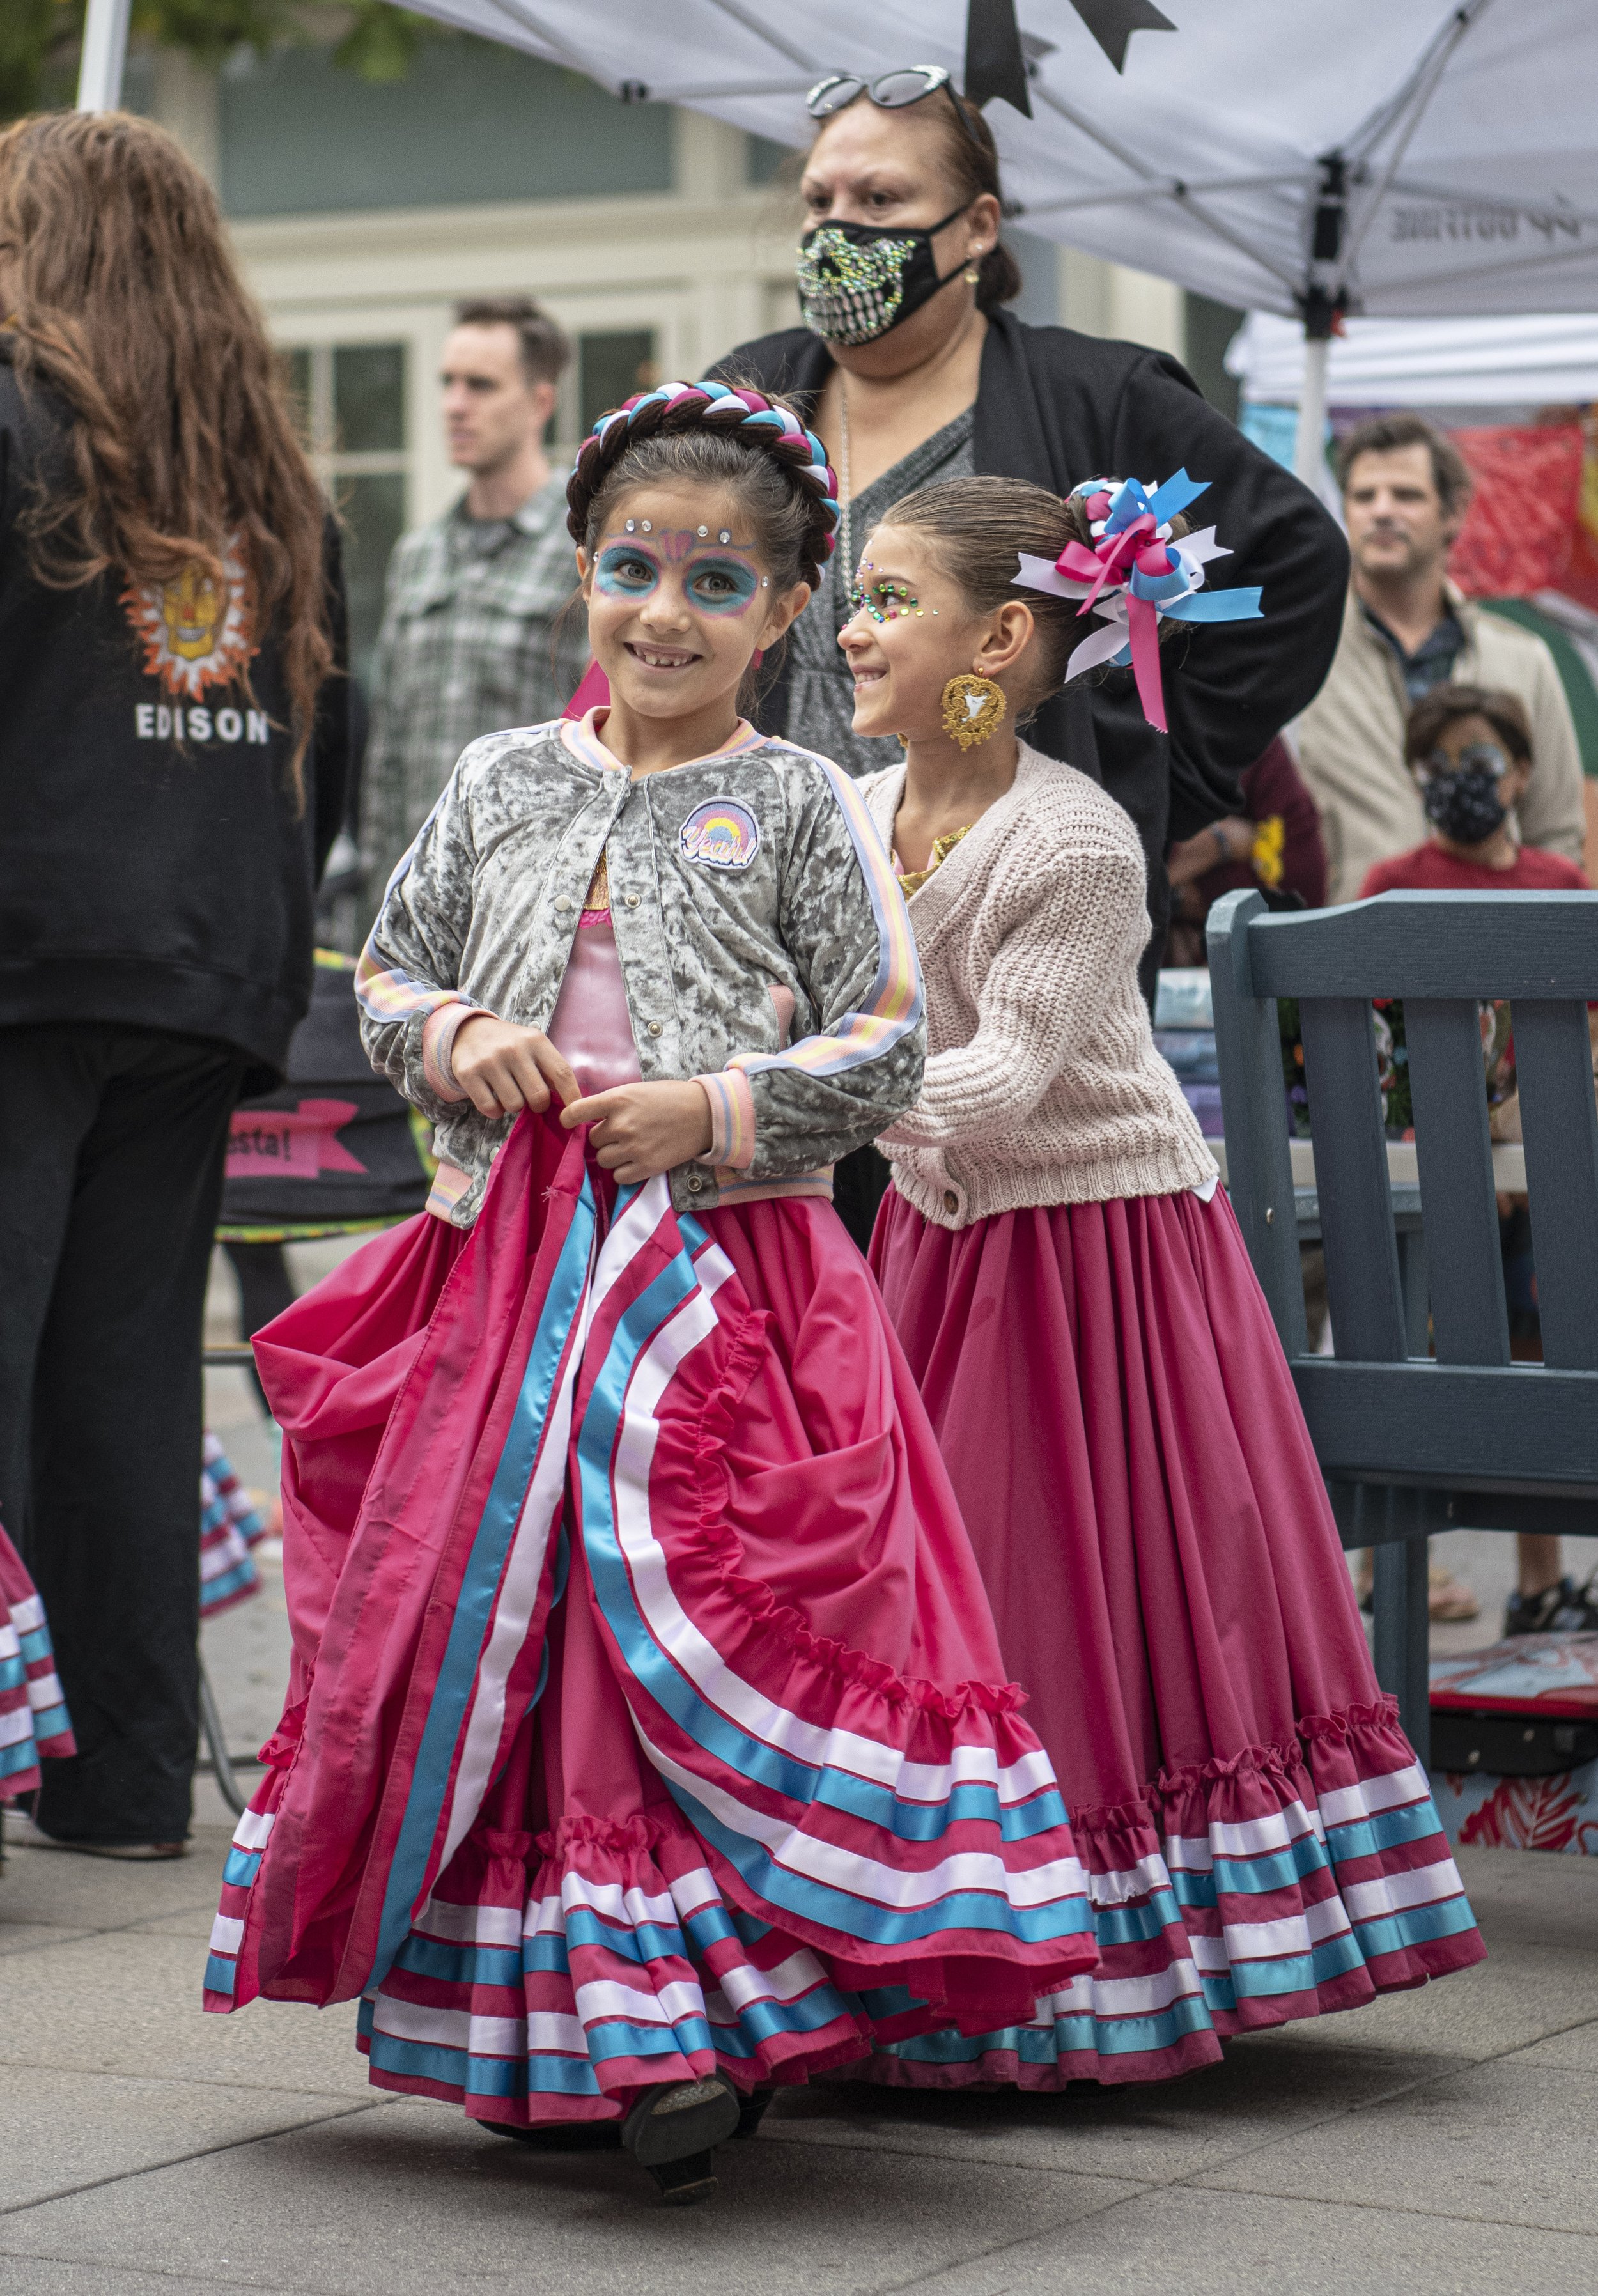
(679, 599)
(910, 633)
(912, 629)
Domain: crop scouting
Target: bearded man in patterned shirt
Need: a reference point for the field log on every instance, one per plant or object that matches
(469, 643)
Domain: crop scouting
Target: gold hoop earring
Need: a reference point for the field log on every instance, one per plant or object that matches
(973, 708)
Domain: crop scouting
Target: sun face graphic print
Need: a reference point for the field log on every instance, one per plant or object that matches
(196, 635)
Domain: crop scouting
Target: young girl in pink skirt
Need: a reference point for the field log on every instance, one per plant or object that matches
(1075, 1298)
(647, 1743)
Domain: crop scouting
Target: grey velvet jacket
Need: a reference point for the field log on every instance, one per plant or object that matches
(763, 940)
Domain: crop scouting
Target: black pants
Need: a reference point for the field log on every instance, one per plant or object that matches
(266, 1287)
(859, 1184)
(112, 1147)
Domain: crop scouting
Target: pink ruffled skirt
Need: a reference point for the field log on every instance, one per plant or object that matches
(647, 1714)
(1124, 1439)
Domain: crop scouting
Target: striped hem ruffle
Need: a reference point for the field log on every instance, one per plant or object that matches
(34, 1723)
(229, 1527)
(1281, 1885)
(622, 1966)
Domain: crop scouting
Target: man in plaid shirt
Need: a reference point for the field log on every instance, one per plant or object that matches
(469, 643)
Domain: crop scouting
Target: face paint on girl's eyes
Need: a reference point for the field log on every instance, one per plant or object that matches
(625, 572)
(723, 585)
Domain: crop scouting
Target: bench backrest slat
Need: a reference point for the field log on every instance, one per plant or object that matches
(1459, 1208)
(1554, 1063)
(1363, 1291)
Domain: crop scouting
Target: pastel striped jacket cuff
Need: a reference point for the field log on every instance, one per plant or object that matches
(732, 1121)
(438, 1032)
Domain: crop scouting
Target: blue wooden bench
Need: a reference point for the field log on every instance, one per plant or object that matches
(1412, 1443)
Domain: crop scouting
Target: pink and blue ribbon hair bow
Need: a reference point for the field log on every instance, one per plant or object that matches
(1134, 574)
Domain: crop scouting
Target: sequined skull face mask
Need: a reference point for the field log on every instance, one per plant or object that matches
(857, 280)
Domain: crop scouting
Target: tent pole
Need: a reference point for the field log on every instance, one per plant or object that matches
(1309, 458)
(104, 56)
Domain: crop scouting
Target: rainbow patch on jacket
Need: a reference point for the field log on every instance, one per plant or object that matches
(722, 833)
(196, 634)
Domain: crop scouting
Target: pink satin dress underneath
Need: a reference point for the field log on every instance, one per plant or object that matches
(590, 1024)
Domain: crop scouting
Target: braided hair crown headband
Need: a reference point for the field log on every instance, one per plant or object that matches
(729, 410)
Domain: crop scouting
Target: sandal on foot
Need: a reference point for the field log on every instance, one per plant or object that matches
(751, 2110)
(681, 2183)
(1449, 1602)
(679, 2119)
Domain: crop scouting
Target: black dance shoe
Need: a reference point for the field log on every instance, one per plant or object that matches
(673, 2129)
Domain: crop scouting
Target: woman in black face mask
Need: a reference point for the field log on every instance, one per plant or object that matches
(911, 371)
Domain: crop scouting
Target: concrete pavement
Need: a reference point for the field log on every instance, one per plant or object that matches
(1442, 2143)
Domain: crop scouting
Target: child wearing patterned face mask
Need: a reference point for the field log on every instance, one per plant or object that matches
(1470, 750)
(646, 1747)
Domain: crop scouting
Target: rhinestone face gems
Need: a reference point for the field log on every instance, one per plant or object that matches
(647, 528)
(724, 535)
(701, 531)
(883, 600)
(632, 526)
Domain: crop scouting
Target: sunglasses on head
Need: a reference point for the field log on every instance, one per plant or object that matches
(892, 91)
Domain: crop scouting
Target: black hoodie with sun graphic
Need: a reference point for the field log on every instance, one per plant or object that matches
(155, 870)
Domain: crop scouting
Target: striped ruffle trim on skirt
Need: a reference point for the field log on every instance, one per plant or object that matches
(33, 1722)
(229, 1527)
(619, 1963)
(624, 1965)
(1229, 1918)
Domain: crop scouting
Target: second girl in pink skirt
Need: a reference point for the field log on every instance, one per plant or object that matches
(1113, 1406)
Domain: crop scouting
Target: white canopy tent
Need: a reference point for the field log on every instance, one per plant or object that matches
(1494, 362)
(1396, 157)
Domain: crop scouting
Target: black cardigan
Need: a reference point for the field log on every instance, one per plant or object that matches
(1057, 408)
(154, 869)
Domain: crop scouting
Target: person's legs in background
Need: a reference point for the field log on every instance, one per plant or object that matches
(1545, 1601)
(101, 1414)
(266, 1288)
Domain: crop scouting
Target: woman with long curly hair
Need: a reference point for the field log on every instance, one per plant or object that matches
(173, 739)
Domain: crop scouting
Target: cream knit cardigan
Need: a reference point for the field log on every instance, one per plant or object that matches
(1042, 1084)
